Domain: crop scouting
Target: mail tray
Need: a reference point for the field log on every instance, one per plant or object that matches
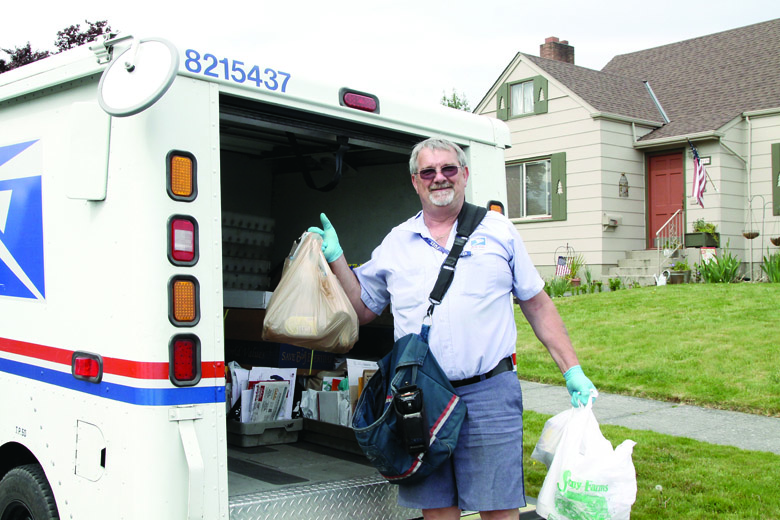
(247, 435)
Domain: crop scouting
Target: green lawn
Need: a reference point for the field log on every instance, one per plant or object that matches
(711, 345)
(699, 480)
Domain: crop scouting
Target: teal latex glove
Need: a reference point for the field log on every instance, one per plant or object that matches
(579, 386)
(330, 240)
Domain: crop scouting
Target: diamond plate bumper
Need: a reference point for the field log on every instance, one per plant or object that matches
(366, 498)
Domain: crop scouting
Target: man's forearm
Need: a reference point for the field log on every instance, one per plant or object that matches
(548, 326)
(351, 286)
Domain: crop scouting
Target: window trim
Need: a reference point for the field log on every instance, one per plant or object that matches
(557, 177)
(504, 98)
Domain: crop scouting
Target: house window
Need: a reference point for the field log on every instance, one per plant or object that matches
(522, 98)
(536, 188)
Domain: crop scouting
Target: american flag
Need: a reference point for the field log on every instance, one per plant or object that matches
(699, 176)
(562, 269)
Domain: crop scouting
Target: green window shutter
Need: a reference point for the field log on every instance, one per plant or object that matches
(540, 95)
(502, 102)
(558, 185)
(776, 179)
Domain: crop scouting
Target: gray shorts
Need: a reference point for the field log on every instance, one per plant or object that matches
(486, 471)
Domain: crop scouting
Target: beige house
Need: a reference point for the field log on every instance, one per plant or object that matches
(601, 162)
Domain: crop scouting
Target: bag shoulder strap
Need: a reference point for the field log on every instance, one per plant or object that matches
(468, 219)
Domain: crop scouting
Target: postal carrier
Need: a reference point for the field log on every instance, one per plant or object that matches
(149, 193)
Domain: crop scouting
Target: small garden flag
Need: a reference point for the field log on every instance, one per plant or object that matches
(562, 269)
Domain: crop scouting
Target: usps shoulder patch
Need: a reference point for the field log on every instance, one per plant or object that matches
(478, 243)
(21, 221)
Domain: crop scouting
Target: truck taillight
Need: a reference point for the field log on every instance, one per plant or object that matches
(184, 360)
(182, 240)
(496, 205)
(181, 169)
(87, 367)
(183, 301)
(359, 100)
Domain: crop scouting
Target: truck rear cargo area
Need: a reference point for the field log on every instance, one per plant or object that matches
(279, 170)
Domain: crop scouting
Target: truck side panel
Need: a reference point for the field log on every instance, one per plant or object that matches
(102, 288)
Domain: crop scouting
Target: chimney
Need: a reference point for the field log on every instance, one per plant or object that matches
(554, 49)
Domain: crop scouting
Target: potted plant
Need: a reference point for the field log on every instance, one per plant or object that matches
(576, 263)
(680, 272)
(705, 234)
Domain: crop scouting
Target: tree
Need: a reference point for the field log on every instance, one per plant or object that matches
(21, 56)
(73, 36)
(455, 101)
(68, 38)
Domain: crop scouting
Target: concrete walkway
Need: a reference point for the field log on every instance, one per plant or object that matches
(743, 430)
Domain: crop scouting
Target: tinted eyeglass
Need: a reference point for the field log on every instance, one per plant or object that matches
(430, 173)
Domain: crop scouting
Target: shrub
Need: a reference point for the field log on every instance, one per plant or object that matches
(615, 284)
(720, 269)
(771, 267)
(558, 286)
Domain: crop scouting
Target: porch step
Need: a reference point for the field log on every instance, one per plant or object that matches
(639, 267)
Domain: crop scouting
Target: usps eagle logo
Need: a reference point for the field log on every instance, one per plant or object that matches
(21, 221)
(478, 243)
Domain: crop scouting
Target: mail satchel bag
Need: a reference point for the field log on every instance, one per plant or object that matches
(408, 417)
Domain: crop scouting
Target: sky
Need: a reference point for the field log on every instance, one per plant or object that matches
(415, 50)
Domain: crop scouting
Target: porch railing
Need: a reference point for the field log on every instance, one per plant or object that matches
(669, 238)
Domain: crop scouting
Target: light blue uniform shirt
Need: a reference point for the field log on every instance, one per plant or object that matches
(474, 326)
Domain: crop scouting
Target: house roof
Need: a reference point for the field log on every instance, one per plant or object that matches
(705, 82)
(605, 92)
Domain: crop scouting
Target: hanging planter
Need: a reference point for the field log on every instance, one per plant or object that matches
(750, 234)
(775, 241)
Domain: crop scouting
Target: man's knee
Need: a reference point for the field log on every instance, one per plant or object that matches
(442, 513)
(506, 514)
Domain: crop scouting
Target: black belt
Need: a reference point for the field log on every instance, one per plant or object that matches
(505, 365)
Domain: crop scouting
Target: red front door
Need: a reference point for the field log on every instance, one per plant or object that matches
(666, 190)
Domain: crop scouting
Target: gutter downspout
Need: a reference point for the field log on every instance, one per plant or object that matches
(749, 164)
(655, 100)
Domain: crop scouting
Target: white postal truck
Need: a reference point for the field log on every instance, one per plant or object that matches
(146, 189)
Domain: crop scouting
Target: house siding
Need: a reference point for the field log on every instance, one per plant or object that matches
(608, 126)
(765, 131)
(566, 127)
(598, 152)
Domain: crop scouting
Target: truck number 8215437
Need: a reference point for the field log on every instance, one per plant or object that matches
(234, 70)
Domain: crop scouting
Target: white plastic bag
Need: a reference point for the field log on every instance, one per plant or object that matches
(544, 451)
(587, 479)
(309, 307)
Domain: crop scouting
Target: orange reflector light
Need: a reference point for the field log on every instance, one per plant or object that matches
(184, 360)
(87, 367)
(181, 176)
(495, 205)
(359, 100)
(184, 301)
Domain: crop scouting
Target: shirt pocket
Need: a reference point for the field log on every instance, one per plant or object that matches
(481, 273)
(407, 290)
